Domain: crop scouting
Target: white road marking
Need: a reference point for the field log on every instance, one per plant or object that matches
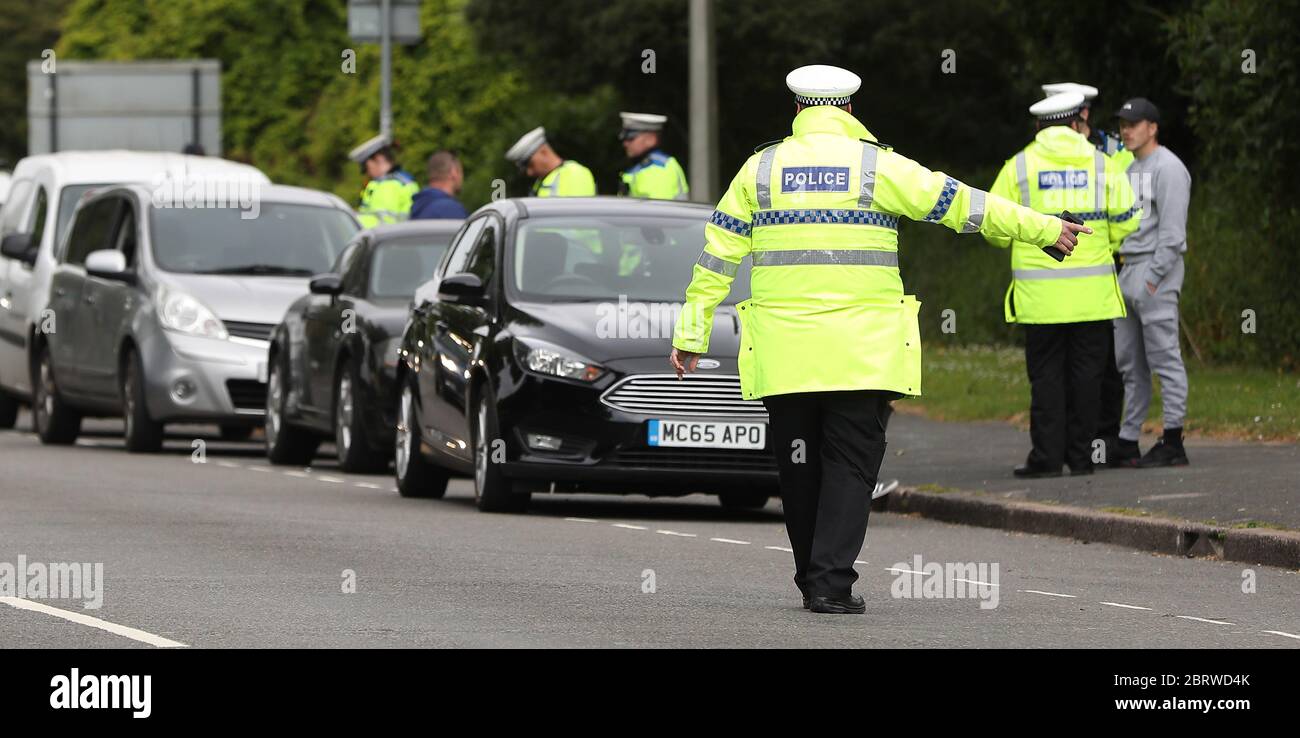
(629, 527)
(1178, 496)
(675, 533)
(856, 561)
(779, 548)
(581, 520)
(729, 540)
(332, 480)
(1129, 607)
(298, 474)
(1283, 633)
(134, 634)
(257, 468)
(902, 571)
(975, 581)
(227, 465)
(366, 485)
(1205, 620)
(1049, 594)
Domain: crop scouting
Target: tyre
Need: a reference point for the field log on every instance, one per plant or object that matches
(55, 421)
(743, 500)
(236, 432)
(144, 435)
(416, 477)
(8, 411)
(354, 450)
(285, 444)
(492, 489)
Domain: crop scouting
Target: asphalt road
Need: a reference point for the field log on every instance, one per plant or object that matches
(234, 553)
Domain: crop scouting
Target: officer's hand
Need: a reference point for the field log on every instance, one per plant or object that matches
(1069, 237)
(683, 361)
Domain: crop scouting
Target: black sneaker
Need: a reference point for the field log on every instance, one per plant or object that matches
(1123, 454)
(1168, 451)
(1030, 471)
(839, 605)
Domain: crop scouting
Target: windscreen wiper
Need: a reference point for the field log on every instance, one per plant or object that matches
(260, 269)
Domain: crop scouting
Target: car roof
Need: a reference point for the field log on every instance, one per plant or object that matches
(265, 193)
(437, 226)
(603, 205)
(113, 166)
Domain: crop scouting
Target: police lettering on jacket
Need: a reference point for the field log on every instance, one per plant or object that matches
(815, 179)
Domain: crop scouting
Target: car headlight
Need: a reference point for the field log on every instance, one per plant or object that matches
(545, 358)
(180, 312)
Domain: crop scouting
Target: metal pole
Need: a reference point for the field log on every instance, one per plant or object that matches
(386, 68)
(704, 103)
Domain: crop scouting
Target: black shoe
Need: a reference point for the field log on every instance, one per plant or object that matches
(838, 605)
(1168, 451)
(803, 591)
(1123, 454)
(1030, 471)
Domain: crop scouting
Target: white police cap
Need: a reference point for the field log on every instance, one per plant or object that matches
(369, 148)
(819, 84)
(1088, 91)
(526, 146)
(643, 121)
(1060, 106)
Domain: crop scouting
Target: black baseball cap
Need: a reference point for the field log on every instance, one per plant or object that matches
(1139, 108)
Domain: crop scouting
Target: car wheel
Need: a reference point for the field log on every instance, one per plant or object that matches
(285, 443)
(8, 411)
(143, 434)
(236, 432)
(56, 423)
(492, 489)
(354, 450)
(743, 500)
(416, 477)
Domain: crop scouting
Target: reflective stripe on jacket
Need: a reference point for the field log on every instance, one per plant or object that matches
(570, 179)
(658, 176)
(387, 199)
(818, 215)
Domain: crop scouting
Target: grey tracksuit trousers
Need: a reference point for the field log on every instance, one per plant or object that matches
(1146, 343)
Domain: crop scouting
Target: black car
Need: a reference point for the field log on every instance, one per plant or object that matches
(333, 358)
(537, 359)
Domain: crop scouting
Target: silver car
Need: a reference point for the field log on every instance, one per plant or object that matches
(162, 309)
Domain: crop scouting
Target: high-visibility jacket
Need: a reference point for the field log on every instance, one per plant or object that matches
(1062, 170)
(387, 199)
(657, 176)
(570, 179)
(818, 215)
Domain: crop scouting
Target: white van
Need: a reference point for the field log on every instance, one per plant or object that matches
(43, 193)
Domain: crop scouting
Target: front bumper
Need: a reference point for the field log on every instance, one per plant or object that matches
(606, 449)
(227, 378)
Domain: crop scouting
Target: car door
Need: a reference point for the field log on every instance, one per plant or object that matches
(24, 212)
(323, 325)
(458, 331)
(73, 318)
(108, 303)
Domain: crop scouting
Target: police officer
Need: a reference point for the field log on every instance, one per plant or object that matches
(1066, 307)
(555, 177)
(655, 175)
(1106, 142)
(387, 197)
(828, 337)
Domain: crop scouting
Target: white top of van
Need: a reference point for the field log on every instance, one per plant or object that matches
(97, 167)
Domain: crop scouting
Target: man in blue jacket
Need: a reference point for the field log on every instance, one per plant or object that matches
(438, 200)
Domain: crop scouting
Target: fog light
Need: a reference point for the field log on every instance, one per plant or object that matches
(183, 390)
(543, 443)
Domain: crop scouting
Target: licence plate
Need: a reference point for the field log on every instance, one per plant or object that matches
(706, 434)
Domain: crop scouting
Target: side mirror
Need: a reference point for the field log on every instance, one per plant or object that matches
(326, 284)
(19, 246)
(108, 264)
(462, 289)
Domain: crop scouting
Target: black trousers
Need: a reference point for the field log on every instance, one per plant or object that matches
(829, 446)
(1065, 363)
(1111, 410)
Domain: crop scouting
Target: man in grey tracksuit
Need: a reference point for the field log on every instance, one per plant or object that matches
(1151, 278)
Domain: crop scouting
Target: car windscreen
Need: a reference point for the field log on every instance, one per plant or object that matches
(557, 259)
(68, 198)
(283, 239)
(399, 266)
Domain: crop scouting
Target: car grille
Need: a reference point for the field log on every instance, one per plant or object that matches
(695, 458)
(695, 394)
(259, 331)
(247, 394)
